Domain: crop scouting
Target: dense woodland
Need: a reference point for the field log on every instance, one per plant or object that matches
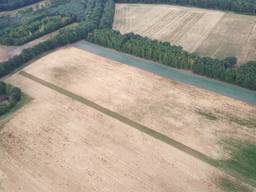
(240, 6)
(175, 56)
(9, 97)
(14, 4)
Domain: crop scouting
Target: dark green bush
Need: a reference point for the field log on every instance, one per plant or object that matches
(10, 96)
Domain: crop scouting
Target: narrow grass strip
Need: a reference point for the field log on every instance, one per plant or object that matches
(140, 127)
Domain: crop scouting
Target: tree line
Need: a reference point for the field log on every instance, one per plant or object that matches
(240, 6)
(26, 32)
(175, 56)
(15, 4)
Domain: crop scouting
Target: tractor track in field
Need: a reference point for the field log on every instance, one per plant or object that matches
(144, 129)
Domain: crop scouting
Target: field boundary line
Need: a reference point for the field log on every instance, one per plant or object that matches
(157, 135)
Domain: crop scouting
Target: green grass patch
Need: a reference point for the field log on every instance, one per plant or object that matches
(242, 160)
(231, 186)
(207, 115)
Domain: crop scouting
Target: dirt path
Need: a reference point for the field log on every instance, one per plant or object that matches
(138, 126)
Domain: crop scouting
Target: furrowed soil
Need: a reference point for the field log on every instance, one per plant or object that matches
(173, 109)
(55, 143)
(59, 142)
(207, 32)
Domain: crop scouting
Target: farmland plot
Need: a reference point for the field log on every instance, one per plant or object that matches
(171, 108)
(57, 144)
(207, 32)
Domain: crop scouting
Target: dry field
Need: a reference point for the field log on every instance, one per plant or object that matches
(207, 32)
(57, 143)
(161, 104)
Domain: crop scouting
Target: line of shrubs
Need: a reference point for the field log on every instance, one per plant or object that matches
(25, 32)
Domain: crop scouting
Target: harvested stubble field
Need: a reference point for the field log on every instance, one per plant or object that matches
(4, 53)
(58, 143)
(207, 32)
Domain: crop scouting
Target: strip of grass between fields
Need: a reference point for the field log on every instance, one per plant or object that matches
(216, 163)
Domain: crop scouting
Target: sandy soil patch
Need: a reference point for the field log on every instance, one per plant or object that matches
(210, 33)
(57, 144)
(167, 106)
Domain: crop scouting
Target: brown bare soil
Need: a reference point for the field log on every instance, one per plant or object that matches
(207, 32)
(57, 144)
(177, 110)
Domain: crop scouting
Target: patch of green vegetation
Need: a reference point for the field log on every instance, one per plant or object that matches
(25, 99)
(231, 186)
(242, 160)
(25, 32)
(208, 115)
